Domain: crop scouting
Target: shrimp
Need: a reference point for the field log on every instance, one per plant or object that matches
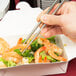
(19, 46)
(53, 55)
(51, 49)
(38, 58)
(55, 48)
(4, 46)
(12, 56)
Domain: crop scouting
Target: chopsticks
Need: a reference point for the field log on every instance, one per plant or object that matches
(40, 22)
(34, 29)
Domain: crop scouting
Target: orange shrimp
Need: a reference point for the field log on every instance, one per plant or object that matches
(52, 48)
(38, 59)
(4, 46)
(19, 46)
(36, 54)
(12, 56)
(53, 55)
(48, 44)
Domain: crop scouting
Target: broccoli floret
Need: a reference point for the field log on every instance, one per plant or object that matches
(35, 45)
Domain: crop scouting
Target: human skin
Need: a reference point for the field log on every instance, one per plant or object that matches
(63, 22)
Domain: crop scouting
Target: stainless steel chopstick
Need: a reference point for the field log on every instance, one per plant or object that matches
(40, 22)
(44, 25)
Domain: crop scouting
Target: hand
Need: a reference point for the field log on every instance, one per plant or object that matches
(63, 22)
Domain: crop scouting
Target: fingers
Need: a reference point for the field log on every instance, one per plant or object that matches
(51, 19)
(58, 12)
(45, 29)
(51, 31)
(43, 12)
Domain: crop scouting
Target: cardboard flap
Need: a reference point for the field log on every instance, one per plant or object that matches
(19, 21)
(69, 47)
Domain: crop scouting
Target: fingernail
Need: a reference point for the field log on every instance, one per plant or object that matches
(43, 18)
(44, 31)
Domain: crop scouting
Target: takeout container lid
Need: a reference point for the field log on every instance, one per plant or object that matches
(19, 27)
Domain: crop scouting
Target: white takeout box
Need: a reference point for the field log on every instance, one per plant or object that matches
(14, 24)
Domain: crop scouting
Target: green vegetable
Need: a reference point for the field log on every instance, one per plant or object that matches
(23, 40)
(50, 58)
(4, 61)
(52, 39)
(27, 53)
(57, 60)
(1, 59)
(43, 54)
(35, 45)
(18, 51)
(56, 53)
(11, 64)
(8, 63)
(30, 59)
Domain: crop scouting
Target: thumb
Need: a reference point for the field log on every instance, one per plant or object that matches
(51, 19)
